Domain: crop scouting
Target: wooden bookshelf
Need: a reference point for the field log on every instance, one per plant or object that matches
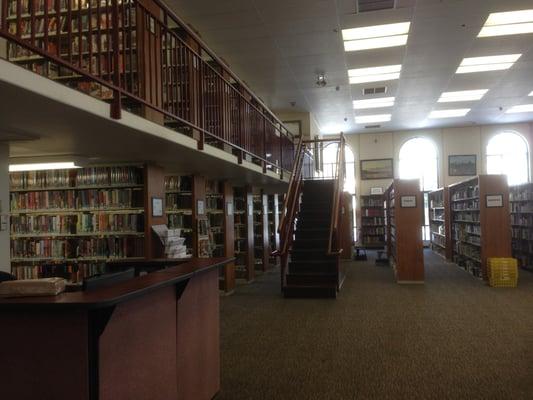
(480, 226)
(404, 219)
(244, 234)
(372, 222)
(440, 222)
(71, 222)
(261, 235)
(273, 225)
(215, 213)
(521, 206)
(178, 205)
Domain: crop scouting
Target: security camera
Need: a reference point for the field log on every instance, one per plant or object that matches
(321, 80)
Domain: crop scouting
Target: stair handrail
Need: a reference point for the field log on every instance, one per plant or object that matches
(336, 203)
(290, 202)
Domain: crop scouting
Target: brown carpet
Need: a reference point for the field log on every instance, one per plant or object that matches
(452, 338)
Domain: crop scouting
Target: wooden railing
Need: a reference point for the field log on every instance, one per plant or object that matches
(336, 211)
(139, 56)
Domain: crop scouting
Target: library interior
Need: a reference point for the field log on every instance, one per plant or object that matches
(266, 199)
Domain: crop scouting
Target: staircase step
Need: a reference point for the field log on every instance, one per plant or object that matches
(315, 243)
(313, 266)
(312, 233)
(311, 278)
(316, 291)
(309, 254)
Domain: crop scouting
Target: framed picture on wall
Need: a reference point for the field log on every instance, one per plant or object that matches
(462, 165)
(294, 127)
(377, 169)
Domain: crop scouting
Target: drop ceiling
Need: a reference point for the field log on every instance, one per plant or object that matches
(279, 46)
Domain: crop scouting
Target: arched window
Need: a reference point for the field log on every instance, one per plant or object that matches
(329, 157)
(508, 154)
(330, 161)
(419, 160)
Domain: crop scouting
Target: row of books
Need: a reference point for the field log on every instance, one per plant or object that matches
(73, 224)
(467, 217)
(109, 176)
(371, 202)
(374, 221)
(521, 194)
(76, 177)
(177, 201)
(522, 233)
(438, 228)
(111, 247)
(76, 199)
(72, 272)
(522, 207)
(440, 240)
(522, 219)
(371, 212)
(467, 250)
(214, 203)
(178, 183)
(374, 240)
(39, 6)
(466, 192)
(373, 231)
(470, 229)
(182, 221)
(466, 205)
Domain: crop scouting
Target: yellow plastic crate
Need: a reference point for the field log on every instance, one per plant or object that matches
(502, 272)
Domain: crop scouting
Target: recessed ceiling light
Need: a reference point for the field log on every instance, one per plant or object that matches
(376, 36)
(459, 112)
(373, 103)
(364, 119)
(375, 43)
(488, 63)
(531, 94)
(520, 109)
(462, 95)
(374, 74)
(508, 23)
(41, 166)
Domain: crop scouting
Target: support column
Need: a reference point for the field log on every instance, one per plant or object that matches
(5, 263)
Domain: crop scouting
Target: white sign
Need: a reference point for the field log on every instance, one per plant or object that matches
(229, 208)
(200, 210)
(376, 190)
(157, 207)
(494, 200)
(408, 201)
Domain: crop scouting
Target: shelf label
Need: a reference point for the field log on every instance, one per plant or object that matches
(408, 201)
(494, 200)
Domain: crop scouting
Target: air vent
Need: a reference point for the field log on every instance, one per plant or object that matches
(374, 5)
(375, 90)
(372, 126)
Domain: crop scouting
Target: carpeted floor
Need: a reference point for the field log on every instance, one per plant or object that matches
(452, 338)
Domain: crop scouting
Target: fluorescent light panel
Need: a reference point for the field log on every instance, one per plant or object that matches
(531, 94)
(520, 109)
(487, 63)
(42, 166)
(460, 112)
(374, 74)
(373, 103)
(462, 95)
(374, 31)
(376, 36)
(365, 119)
(508, 23)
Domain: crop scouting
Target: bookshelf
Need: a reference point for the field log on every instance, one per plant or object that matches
(480, 225)
(214, 206)
(71, 222)
(178, 206)
(261, 237)
(372, 222)
(244, 234)
(521, 206)
(440, 222)
(80, 32)
(404, 219)
(273, 224)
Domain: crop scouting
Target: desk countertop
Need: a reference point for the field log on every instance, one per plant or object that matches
(120, 292)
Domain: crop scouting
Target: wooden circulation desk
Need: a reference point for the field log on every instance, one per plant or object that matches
(153, 337)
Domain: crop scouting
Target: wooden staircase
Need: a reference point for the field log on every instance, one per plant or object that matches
(312, 271)
(309, 228)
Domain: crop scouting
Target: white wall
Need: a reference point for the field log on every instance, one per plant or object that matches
(448, 141)
(4, 199)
